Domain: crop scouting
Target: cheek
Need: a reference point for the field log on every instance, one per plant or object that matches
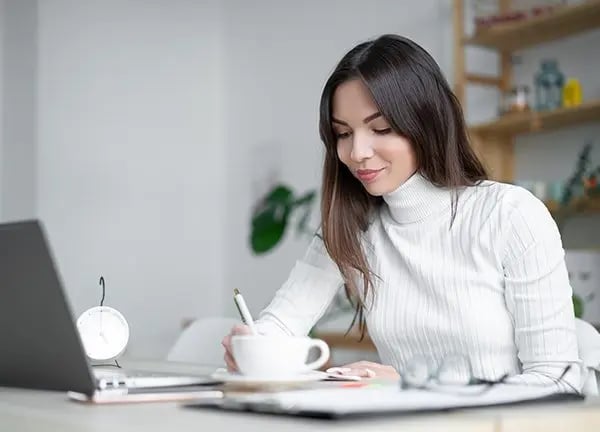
(343, 152)
(399, 154)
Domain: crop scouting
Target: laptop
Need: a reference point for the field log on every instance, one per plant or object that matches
(40, 347)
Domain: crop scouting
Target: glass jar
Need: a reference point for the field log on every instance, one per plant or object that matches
(549, 82)
(516, 100)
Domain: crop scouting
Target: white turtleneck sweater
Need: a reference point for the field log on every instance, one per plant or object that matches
(492, 287)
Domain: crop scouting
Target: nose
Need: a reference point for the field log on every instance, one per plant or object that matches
(362, 148)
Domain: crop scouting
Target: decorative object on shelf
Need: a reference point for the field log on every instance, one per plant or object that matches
(487, 12)
(516, 100)
(591, 187)
(574, 187)
(572, 94)
(557, 189)
(549, 82)
(272, 215)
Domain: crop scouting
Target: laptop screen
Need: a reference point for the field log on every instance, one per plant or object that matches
(40, 347)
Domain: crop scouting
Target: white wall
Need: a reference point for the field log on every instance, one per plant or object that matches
(131, 160)
(279, 55)
(18, 114)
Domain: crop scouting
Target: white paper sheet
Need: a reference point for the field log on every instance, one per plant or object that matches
(343, 401)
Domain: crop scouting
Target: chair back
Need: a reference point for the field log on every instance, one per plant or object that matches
(200, 342)
(588, 340)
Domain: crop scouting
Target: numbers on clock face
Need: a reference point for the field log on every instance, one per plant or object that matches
(104, 333)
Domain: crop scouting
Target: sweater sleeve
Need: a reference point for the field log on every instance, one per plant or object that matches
(538, 296)
(305, 295)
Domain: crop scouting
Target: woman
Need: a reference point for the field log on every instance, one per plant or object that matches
(444, 263)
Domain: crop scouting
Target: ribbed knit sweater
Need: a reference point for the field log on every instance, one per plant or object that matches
(490, 286)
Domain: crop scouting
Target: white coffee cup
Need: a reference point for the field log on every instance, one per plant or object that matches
(276, 356)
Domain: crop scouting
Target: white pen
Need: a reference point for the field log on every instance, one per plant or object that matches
(243, 310)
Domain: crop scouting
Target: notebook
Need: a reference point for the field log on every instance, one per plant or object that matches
(333, 403)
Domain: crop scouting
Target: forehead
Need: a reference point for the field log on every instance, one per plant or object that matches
(352, 102)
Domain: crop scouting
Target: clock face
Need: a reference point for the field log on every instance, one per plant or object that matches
(104, 333)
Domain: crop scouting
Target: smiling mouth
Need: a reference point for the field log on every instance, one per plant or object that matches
(368, 176)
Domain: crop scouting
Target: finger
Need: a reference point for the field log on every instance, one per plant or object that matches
(362, 372)
(355, 365)
(230, 362)
(226, 342)
(364, 364)
(338, 370)
(240, 329)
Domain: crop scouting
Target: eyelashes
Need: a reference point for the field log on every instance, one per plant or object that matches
(344, 135)
(384, 131)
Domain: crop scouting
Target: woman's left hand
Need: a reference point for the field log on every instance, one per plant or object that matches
(366, 369)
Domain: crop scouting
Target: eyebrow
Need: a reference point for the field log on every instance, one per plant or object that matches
(365, 120)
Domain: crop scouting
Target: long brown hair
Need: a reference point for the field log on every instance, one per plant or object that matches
(412, 94)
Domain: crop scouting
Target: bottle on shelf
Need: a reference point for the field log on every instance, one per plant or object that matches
(572, 94)
(549, 82)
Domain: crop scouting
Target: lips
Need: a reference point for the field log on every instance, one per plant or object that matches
(368, 175)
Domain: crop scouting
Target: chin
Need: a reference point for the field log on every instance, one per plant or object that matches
(377, 189)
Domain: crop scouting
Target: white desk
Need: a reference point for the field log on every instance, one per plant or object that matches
(30, 410)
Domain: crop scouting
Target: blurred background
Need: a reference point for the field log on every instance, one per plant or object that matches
(145, 133)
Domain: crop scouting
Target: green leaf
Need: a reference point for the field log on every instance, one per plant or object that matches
(303, 222)
(577, 306)
(265, 239)
(280, 194)
(270, 219)
(306, 199)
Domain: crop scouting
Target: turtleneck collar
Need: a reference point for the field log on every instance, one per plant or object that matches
(416, 199)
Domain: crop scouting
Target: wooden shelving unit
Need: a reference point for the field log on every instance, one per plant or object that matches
(494, 141)
(533, 121)
(557, 24)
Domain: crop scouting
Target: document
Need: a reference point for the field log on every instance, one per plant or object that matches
(340, 402)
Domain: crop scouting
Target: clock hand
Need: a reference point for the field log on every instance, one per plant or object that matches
(103, 336)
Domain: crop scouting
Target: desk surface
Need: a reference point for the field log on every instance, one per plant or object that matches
(30, 410)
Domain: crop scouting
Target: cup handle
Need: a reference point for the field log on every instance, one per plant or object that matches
(324, 348)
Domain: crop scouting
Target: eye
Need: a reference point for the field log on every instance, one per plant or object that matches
(384, 131)
(342, 135)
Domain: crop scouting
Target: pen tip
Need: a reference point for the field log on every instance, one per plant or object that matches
(236, 291)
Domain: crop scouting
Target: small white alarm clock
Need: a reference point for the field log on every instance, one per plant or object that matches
(104, 333)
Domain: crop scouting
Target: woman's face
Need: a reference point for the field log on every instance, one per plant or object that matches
(378, 157)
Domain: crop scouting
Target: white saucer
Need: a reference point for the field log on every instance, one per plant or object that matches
(233, 377)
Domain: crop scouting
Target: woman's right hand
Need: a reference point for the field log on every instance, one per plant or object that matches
(239, 329)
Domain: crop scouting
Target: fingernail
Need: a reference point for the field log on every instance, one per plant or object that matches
(370, 373)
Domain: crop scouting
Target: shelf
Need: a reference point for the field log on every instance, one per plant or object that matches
(533, 121)
(562, 22)
(585, 206)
